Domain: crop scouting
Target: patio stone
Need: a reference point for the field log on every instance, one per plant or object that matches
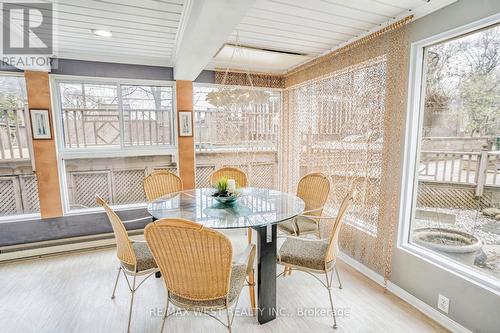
(491, 228)
(493, 212)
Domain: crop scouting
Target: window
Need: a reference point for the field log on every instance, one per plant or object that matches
(451, 208)
(241, 135)
(18, 187)
(115, 116)
(112, 133)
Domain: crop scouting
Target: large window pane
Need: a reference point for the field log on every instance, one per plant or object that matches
(18, 187)
(243, 135)
(147, 112)
(118, 180)
(90, 115)
(457, 213)
(121, 122)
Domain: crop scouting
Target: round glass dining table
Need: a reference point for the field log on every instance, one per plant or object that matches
(257, 208)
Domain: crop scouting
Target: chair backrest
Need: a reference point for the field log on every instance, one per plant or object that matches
(195, 261)
(160, 183)
(231, 173)
(314, 189)
(124, 250)
(333, 245)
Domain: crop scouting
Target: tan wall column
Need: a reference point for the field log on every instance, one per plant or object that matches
(44, 151)
(184, 92)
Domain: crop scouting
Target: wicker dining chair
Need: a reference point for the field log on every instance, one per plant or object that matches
(241, 180)
(232, 173)
(134, 256)
(198, 268)
(314, 189)
(317, 255)
(160, 183)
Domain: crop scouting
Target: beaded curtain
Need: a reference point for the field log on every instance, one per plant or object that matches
(343, 116)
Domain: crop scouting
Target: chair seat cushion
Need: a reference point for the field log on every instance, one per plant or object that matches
(305, 226)
(238, 275)
(144, 257)
(304, 253)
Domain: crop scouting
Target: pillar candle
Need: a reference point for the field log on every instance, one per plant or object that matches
(231, 185)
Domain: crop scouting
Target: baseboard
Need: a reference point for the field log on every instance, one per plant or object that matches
(423, 307)
(371, 274)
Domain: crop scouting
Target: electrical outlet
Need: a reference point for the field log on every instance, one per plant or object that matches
(443, 303)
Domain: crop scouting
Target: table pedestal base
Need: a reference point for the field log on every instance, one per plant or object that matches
(266, 273)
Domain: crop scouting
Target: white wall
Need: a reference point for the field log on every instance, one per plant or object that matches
(470, 305)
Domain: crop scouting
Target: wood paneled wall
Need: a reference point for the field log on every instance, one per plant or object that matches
(44, 151)
(186, 167)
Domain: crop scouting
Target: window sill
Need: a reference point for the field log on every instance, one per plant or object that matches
(19, 218)
(125, 152)
(116, 208)
(462, 271)
(234, 150)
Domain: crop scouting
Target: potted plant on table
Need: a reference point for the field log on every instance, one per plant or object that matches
(225, 191)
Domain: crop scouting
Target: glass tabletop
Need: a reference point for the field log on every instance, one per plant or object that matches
(254, 208)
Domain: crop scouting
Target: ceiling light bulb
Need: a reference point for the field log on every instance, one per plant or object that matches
(102, 33)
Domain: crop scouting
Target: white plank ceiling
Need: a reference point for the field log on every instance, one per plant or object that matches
(150, 32)
(144, 32)
(314, 27)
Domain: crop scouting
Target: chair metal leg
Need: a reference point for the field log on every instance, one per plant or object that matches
(116, 282)
(165, 315)
(251, 289)
(338, 276)
(228, 320)
(329, 287)
(131, 303)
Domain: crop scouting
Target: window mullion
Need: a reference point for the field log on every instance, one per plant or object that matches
(120, 115)
(84, 110)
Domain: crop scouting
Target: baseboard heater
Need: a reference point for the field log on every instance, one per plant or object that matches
(60, 246)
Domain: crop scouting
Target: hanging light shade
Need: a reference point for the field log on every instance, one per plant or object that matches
(237, 97)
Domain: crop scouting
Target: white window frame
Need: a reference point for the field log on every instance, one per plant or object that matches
(412, 142)
(64, 153)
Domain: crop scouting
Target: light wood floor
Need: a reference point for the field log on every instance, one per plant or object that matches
(71, 293)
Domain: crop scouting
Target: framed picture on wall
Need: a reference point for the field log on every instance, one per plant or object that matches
(40, 124)
(185, 123)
